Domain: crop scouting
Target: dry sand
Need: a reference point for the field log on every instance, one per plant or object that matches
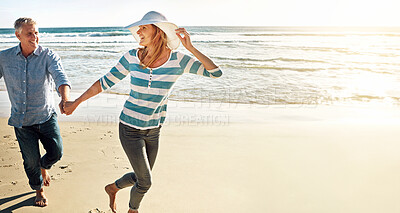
(225, 158)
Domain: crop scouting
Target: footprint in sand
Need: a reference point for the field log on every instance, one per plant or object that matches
(66, 168)
(96, 210)
(12, 145)
(63, 166)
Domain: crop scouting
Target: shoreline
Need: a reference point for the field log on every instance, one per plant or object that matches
(106, 108)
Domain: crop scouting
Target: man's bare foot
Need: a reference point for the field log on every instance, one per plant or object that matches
(46, 177)
(133, 211)
(40, 199)
(112, 190)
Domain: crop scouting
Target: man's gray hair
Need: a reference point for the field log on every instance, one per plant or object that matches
(21, 21)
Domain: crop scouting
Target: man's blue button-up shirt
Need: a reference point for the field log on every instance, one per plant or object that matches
(30, 84)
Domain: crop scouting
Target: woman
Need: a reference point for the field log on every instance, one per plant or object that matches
(154, 68)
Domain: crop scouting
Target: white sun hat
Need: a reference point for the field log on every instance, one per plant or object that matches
(161, 22)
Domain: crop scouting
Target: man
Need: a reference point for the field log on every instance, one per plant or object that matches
(29, 71)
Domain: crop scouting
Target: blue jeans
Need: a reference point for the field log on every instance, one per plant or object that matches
(141, 147)
(28, 138)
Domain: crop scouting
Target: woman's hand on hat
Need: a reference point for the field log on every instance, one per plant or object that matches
(184, 36)
(187, 43)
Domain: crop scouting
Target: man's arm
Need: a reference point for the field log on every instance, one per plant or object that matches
(60, 78)
(64, 92)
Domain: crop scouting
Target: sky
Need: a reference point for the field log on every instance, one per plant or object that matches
(95, 13)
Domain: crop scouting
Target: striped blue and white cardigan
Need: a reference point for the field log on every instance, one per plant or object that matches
(146, 106)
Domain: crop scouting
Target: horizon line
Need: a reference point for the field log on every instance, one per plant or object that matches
(293, 26)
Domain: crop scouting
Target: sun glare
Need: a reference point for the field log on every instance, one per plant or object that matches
(372, 86)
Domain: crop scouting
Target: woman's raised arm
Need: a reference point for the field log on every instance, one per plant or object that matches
(187, 43)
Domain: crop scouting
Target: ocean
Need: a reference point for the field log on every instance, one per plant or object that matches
(261, 65)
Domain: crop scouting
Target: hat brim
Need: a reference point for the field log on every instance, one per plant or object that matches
(167, 27)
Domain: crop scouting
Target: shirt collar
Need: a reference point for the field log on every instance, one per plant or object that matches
(37, 51)
(18, 49)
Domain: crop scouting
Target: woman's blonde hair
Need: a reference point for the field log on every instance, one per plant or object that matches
(159, 42)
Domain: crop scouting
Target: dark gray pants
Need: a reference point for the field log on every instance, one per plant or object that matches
(141, 147)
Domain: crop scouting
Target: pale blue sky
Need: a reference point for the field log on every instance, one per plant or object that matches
(67, 13)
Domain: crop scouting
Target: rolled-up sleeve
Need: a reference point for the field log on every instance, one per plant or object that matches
(56, 70)
(191, 65)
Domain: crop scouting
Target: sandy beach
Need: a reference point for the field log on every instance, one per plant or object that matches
(222, 158)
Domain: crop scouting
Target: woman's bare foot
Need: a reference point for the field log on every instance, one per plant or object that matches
(46, 177)
(133, 211)
(40, 199)
(112, 190)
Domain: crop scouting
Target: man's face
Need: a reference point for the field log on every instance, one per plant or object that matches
(29, 37)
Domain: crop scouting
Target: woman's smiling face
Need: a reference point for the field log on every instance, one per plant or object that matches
(146, 34)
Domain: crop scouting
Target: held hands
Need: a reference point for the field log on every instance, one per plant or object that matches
(67, 107)
(61, 105)
(186, 42)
